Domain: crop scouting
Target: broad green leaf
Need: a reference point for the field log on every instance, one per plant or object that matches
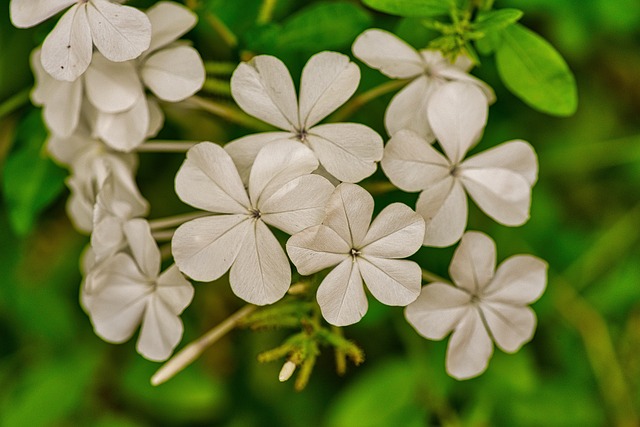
(495, 20)
(411, 8)
(384, 396)
(321, 26)
(31, 180)
(535, 72)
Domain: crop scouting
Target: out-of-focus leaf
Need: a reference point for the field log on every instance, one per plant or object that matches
(617, 293)
(322, 26)
(535, 72)
(239, 16)
(415, 33)
(410, 8)
(495, 20)
(31, 180)
(384, 396)
(49, 392)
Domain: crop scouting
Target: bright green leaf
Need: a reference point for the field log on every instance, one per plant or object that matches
(535, 72)
(321, 26)
(31, 180)
(411, 8)
(495, 20)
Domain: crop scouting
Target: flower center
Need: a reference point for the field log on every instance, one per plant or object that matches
(255, 213)
(302, 135)
(454, 171)
(354, 253)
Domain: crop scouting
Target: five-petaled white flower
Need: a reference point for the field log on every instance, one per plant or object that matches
(127, 290)
(282, 192)
(363, 251)
(263, 88)
(484, 305)
(499, 180)
(428, 69)
(119, 32)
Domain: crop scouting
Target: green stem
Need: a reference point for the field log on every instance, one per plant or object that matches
(220, 68)
(217, 87)
(160, 146)
(428, 276)
(223, 31)
(266, 12)
(14, 102)
(174, 221)
(380, 187)
(364, 98)
(162, 235)
(229, 113)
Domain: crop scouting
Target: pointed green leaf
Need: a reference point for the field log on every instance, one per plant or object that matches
(495, 20)
(411, 8)
(535, 72)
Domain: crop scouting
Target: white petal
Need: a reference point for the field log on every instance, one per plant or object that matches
(66, 52)
(438, 310)
(27, 13)
(457, 113)
(263, 88)
(65, 150)
(298, 204)
(328, 80)
(169, 22)
(411, 163)
(316, 248)
(503, 195)
(348, 151)
(244, 150)
(349, 211)
(208, 180)
(176, 291)
(384, 51)
(341, 295)
(510, 326)
(276, 164)
(520, 280)
(261, 273)
(397, 232)
(408, 108)
(112, 87)
(156, 118)
(161, 331)
(391, 281)
(143, 247)
(517, 156)
(474, 262)
(43, 81)
(453, 73)
(470, 347)
(174, 74)
(205, 248)
(126, 130)
(61, 111)
(120, 299)
(444, 209)
(119, 32)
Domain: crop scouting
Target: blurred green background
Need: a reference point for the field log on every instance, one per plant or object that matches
(581, 369)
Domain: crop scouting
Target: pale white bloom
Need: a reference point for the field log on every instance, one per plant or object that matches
(281, 193)
(484, 305)
(128, 290)
(499, 180)
(429, 72)
(117, 203)
(362, 251)
(119, 32)
(263, 88)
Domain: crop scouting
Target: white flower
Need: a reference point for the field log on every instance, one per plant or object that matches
(117, 203)
(119, 32)
(127, 290)
(499, 180)
(484, 305)
(281, 193)
(429, 72)
(362, 251)
(263, 88)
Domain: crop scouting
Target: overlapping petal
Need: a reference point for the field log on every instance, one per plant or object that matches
(27, 13)
(516, 156)
(126, 130)
(112, 87)
(348, 213)
(511, 326)
(384, 51)
(391, 281)
(341, 295)
(397, 232)
(444, 209)
(316, 248)
(244, 150)
(175, 73)
(470, 347)
(169, 21)
(474, 262)
(408, 108)
(520, 280)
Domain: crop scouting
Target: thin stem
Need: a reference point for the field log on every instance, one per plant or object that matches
(428, 276)
(229, 112)
(160, 146)
(174, 221)
(192, 351)
(220, 68)
(14, 102)
(223, 31)
(364, 98)
(162, 235)
(381, 187)
(266, 12)
(217, 87)
(165, 251)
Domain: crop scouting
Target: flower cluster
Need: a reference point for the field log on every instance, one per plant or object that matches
(301, 180)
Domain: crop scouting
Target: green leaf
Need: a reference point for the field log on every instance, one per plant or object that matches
(495, 20)
(411, 8)
(535, 72)
(318, 27)
(31, 180)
